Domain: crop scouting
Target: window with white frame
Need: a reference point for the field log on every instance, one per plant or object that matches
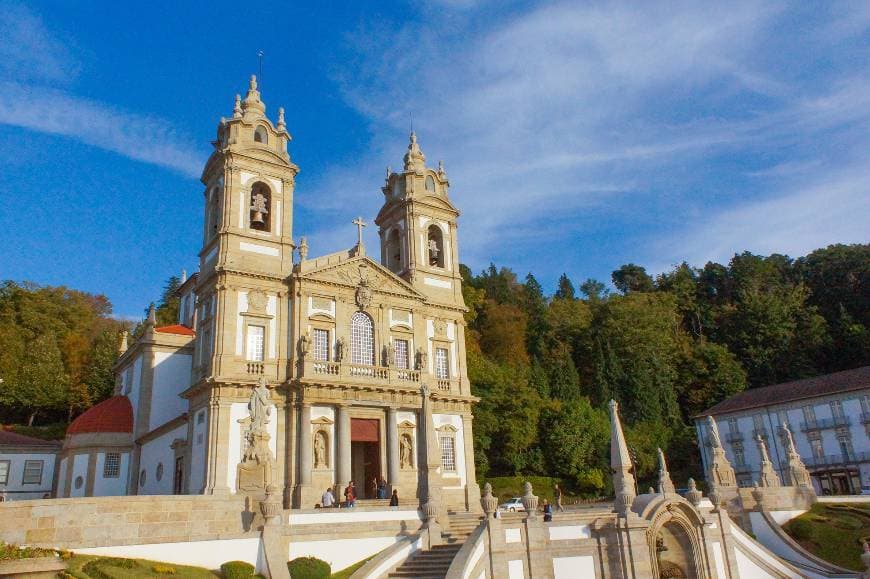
(402, 360)
(256, 343)
(321, 344)
(112, 466)
(448, 453)
(32, 472)
(442, 372)
(817, 448)
(362, 340)
(837, 409)
(739, 456)
(4, 472)
(732, 425)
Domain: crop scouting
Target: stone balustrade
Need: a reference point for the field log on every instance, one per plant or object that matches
(378, 376)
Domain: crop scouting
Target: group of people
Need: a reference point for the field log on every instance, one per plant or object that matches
(379, 488)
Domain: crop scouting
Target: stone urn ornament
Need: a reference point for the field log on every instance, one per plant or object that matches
(271, 506)
(530, 501)
(487, 501)
(693, 495)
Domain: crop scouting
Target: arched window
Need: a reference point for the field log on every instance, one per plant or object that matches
(430, 183)
(436, 246)
(260, 135)
(394, 251)
(362, 340)
(261, 206)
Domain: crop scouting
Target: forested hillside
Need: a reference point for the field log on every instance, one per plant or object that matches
(665, 348)
(543, 365)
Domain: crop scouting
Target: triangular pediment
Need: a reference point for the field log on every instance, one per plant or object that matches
(353, 270)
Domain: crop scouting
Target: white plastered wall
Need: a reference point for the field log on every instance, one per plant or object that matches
(15, 487)
(79, 469)
(155, 452)
(239, 411)
(197, 453)
(171, 378)
(111, 487)
(61, 481)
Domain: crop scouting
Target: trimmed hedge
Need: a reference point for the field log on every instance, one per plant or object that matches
(309, 568)
(237, 570)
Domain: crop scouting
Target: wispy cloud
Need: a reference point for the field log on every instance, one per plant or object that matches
(36, 97)
(557, 108)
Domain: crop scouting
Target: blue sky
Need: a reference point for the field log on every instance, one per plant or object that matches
(577, 136)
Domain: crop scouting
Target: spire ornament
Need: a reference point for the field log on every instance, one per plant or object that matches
(252, 100)
(282, 126)
(415, 160)
(768, 476)
(151, 321)
(620, 464)
(666, 485)
(237, 108)
(720, 473)
(796, 473)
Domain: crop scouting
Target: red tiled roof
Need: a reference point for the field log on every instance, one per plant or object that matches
(8, 438)
(112, 415)
(176, 329)
(844, 381)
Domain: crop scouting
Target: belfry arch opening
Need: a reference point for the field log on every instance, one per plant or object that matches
(261, 207)
(393, 251)
(435, 246)
(260, 135)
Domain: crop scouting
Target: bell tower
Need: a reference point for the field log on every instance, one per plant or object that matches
(247, 247)
(417, 227)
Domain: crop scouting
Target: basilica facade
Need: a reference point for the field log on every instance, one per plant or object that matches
(290, 371)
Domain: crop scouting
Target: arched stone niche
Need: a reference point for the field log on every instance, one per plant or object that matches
(675, 541)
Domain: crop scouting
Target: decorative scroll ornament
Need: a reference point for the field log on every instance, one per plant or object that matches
(363, 294)
(257, 302)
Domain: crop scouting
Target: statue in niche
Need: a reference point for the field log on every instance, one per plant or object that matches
(391, 354)
(422, 359)
(340, 347)
(320, 450)
(406, 451)
(433, 251)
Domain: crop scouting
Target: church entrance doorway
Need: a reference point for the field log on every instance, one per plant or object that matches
(365, 455)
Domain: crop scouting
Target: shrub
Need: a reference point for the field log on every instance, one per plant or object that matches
(309, 568)
(800, 529)
(94, 568)
(162, 569)
(237, 570)
(14, 552)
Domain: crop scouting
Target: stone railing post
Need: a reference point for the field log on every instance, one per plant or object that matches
(530, 501)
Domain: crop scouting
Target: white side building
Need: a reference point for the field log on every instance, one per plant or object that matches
(829, 417)
(26, 466)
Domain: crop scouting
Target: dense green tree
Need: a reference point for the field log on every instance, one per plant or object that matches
(534, 304)
(632, 278)
(40, 382)
(565, 289)
(593, 290)
(503, 333)
(167, 307)
(575, 438)
(708, 374)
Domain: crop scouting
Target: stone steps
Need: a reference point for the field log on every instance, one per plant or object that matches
(434, 563)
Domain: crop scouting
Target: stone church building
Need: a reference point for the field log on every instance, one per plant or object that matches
(360, 353)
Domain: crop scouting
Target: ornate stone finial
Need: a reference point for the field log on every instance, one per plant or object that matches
(281, 124)
(122, 344)
(769, 477)
(620, 464)
(389, 172)
(795, 473)
(183, 275)
(666, 486)
(441, 172)
(237, 108)
(430, 508)
(693, 495)
(271, 506)
(415, 160)
(651, 491)
(252, 100)
(303, 249)
(720, 473)
(713, 429)
(487, 501)
(530, 501)
(151, 321)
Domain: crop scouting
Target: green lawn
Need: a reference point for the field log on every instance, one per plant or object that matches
(93, 567)
(348, 571)
(833, 532)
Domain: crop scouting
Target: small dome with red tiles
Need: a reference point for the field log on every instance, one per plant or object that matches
(112, 415)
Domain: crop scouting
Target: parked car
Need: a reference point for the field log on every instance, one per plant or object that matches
(513, 505)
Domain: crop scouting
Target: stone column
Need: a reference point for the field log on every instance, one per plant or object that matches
(219, 432)
(342, 463)
(428, 441)
(392, 447)
(305, 444)
(472, 489)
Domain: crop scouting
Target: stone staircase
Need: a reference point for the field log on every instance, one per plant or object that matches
(434, 563)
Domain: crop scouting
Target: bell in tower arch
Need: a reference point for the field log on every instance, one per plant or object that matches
(259, 207)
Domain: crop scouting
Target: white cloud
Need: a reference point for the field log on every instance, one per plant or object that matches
(135, 136)
(562, 107)
(34, 62)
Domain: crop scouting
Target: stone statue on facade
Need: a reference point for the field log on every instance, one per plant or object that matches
(256, 470)
(303, 249)
(767, 476)
(796, 473)
(422, 359)
(304, 344)
(319, 450)
(340, 348)
(405, 451)
(391, 354)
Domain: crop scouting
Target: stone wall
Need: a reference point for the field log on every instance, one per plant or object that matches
(134, 520)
